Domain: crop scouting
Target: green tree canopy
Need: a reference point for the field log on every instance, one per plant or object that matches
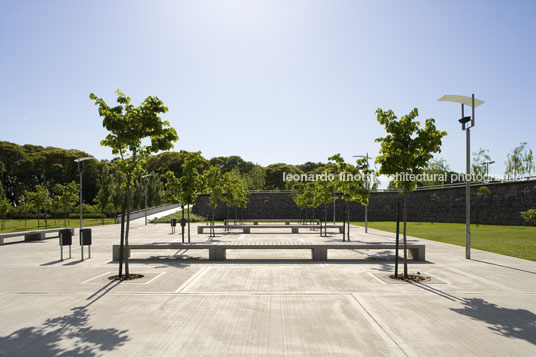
(134, 133)
(274, 176)
(520, 161)
(405, 152)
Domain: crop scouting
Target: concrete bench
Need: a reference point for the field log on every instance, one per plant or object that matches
(246, 228)
(270, 220)
(32, 235)
(217, 251)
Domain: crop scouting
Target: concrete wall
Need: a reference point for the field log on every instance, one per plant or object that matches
(503, 206)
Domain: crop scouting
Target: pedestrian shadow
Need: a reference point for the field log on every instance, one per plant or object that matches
(68, 335)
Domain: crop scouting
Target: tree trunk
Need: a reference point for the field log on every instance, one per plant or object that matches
(188, 223)
(129, 203)
(46, 219)
(325, 220)
(348, 210)
(405, 224)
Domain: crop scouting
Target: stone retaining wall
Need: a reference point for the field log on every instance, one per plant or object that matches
(502, 206)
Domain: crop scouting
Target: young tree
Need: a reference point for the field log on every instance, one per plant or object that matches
(104, 195)
(44, 200)
(40, 201)
(213, 182)
(352, 183)
(483, 192)
(480, 163)
(529, 216)
(173, 192)
(299, 197)
(191, 181)
(5, 207)
(26, 204)
(236, 191)
(67, 196)
(323, 191)
(129, 129)
(405, 151)
(520, 161)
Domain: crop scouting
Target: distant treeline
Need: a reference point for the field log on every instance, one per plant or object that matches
(23, 167)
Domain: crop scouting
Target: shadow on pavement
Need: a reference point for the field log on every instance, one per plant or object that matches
(55, 334)
(512, 323)
(504, 266)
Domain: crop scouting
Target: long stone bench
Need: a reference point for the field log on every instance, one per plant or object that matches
(246, 228)
(217, 251)
(32, 235)
(270, 220)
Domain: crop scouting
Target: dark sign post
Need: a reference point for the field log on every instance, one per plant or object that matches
(183, 224)
(85, 239)
(173, 224)
(66, 238)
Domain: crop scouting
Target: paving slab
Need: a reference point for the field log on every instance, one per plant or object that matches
(262, 302)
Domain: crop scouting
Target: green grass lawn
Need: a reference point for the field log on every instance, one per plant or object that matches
(15, 225)
(514, 241)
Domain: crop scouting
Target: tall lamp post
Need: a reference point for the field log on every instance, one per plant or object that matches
(366, 206)
(487, 163)
(467, 123)
(145, 176)
(80, 163)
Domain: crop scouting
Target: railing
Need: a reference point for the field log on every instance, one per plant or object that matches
(141, 213)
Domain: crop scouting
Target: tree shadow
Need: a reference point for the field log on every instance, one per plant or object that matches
(513, 323)
(68, 335)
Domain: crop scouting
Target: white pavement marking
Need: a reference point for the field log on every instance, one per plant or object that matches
(384, 331)
(389, 340)
(192, 278)
(95, 277)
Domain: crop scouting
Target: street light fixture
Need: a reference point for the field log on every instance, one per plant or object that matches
(366, 206)
(473, 102)
(145, 176)
(80, 163)
(487, 163)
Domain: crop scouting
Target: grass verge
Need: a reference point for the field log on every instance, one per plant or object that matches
(16, 225)
(514, 241)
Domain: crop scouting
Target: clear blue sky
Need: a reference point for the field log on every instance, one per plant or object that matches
(272, 81)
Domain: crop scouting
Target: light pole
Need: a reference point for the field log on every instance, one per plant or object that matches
(467, 124)
(81, 171)
(487, 166)
(145, 176)
(366, 206)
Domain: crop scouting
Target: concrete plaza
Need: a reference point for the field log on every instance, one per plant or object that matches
(262, 302)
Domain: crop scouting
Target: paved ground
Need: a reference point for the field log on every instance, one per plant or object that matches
(262, 302)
